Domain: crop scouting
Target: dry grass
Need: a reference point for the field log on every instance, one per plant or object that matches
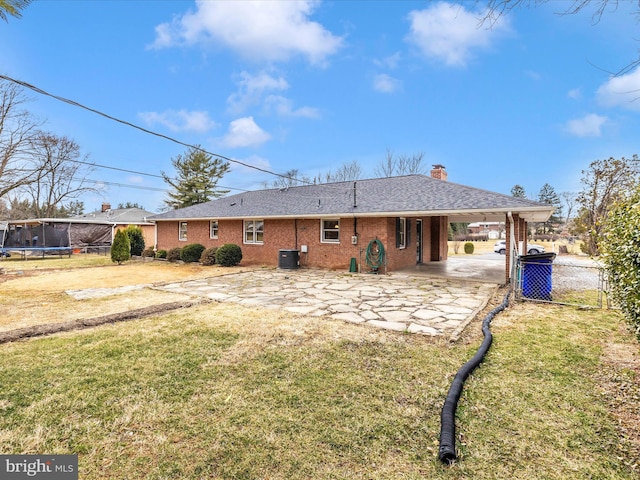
(227, 392)
(37, 296)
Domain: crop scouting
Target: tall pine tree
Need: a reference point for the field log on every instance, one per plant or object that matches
(549, 196)
(196, 178)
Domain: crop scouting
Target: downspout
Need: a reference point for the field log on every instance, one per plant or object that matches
(513, 253)
(155, 236)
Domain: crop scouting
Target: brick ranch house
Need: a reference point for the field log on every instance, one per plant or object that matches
(330, 224)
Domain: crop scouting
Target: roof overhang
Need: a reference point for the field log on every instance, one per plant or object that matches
(531, 214)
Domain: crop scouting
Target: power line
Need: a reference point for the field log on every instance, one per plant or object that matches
(140, 187)
(137, 127)
(142, 173)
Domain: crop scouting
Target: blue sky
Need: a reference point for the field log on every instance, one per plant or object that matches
(312, 85)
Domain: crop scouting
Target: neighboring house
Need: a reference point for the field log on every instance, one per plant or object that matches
(94, 229)
(490, 230)
(121, 218)
(331, 224)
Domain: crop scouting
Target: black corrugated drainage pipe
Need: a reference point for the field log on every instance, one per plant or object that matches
(447, 452)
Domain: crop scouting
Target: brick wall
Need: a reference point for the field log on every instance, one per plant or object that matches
(292, 234)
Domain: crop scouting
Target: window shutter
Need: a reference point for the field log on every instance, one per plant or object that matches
(397, 232)
(408, 227)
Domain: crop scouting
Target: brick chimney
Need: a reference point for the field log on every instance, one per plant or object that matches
(105, 207)
(439, 172)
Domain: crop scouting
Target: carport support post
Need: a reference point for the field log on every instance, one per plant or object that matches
(520, 235)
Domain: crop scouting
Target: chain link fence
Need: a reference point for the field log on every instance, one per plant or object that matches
(566, 282)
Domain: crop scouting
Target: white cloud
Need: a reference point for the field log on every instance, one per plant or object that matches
(450, 33)
(391, 61)
(575, 94)
(180, 120)
(386, 84)
(259, 30)
(244, 132)
(622, 91)
(587, 126)
(284, 107)
(251, 89)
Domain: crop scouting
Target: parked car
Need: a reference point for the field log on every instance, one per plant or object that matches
(532, 248)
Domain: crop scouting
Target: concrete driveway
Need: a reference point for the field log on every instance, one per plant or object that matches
(400, 302)
(486, 267)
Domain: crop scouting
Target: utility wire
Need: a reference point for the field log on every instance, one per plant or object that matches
(137, 127)
(140, 187)
(142, 173)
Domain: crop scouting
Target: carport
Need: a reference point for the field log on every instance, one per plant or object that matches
(495, 269)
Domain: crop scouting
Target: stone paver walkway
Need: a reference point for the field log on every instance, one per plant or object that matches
(405, 303)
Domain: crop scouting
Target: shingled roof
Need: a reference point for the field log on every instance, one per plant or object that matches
(132, 215)
(411, 195)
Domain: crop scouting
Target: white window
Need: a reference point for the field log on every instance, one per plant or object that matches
(330, 230)
(401, 232)
(213, 229)
(182, 233)
(254, 231)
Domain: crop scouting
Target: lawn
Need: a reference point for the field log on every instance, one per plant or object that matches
(223, 391)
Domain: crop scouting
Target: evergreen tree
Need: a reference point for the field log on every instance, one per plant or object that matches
(196, 180)
(136, 239)
(620, 244)
(130, 205)
(549, 196)
(120, 248)
(518, 191)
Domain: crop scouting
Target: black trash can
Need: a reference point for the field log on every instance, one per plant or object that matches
(536, 275)
(288, 259)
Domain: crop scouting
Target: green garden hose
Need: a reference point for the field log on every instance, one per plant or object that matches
(375, 254)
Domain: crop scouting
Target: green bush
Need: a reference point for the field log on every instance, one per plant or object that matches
(148, 252)
(136, 239)
(161, 254)
(191, 253)
(229, 255)
(120, 248)
(620, 247)
(208, 257)
(468, 248)
(173, 255)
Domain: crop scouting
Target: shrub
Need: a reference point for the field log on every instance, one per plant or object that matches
(620, 246)
(208, 257)
(191, 253)
(173, 255)
(148, 252)
(136, 239)
(468, 248)
(229, 255)
(120, 248)
(161, 254)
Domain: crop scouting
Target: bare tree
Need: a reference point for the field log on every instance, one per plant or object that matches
(497, 8)
(570, 200)
(410, 165)
(605, 182)
(387, 166)
(346, 172)
(403, 165)
(62, 177)
(18, 130)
